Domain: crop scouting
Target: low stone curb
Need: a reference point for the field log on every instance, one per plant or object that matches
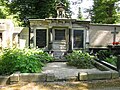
(101, 75)
(32, 77)
(4, 80)
(41, 77)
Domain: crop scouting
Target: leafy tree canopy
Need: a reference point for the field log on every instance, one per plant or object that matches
(2, 14)
(38, 9)
(34, 8)
(104, 11)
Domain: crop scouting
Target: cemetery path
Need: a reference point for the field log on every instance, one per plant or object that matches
(62, 71)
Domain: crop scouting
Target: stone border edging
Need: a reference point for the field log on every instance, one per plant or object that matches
(104, 75)
(4, 80)
(107, 64)
(41, 77)
(32, 77)
(100, 75)
(50, 77)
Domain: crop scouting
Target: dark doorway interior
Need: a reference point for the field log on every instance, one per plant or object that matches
(41, 38)
(78, 39)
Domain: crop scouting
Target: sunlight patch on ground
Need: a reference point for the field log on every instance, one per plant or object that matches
(83, 85)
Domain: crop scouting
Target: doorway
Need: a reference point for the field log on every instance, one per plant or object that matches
(41, 38)
(78, 39)
(59, 45)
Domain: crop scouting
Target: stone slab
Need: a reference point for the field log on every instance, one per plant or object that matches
(32, 77)
(28, 77)
(99, 75)
(83, 76)
(14, 77)
(50, 77)
(72, 78)
(114, 74)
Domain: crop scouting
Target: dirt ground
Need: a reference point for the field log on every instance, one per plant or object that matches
(82, 85)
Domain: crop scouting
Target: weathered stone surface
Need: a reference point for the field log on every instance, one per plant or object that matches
(14, 77)
(4, 80)
(72, 78)
(28, 77)
(83, 76)
(63, 72)
(99, 75)
(32, 77)
(114, 74)
(100, 66)
(50, 77)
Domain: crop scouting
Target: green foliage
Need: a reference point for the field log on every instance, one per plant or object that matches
(103, 54)
(5, 13)
(104, 11)
(38, 9)
(79, 59)
(25, 61)
(107, 56)
(34, 8)
(2, 15)
(112, 60)
(118, 16)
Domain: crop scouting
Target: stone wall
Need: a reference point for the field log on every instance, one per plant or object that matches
(101, 36)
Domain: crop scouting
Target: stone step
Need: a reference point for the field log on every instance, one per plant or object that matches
(60, 60)
(58, 54)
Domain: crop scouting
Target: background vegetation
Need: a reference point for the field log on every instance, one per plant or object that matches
(37, 9)
(107, 56)
(105, 11)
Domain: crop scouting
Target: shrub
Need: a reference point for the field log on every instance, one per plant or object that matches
(103, 54)
(25, 60)
(107, 56)
(79, 59)
(112, 60)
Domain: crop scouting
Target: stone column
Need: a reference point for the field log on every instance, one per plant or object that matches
(87, 39)
(49, 39)
(114, 35)
(70, 40)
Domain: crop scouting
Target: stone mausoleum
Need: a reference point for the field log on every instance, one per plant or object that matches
(60, 35)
